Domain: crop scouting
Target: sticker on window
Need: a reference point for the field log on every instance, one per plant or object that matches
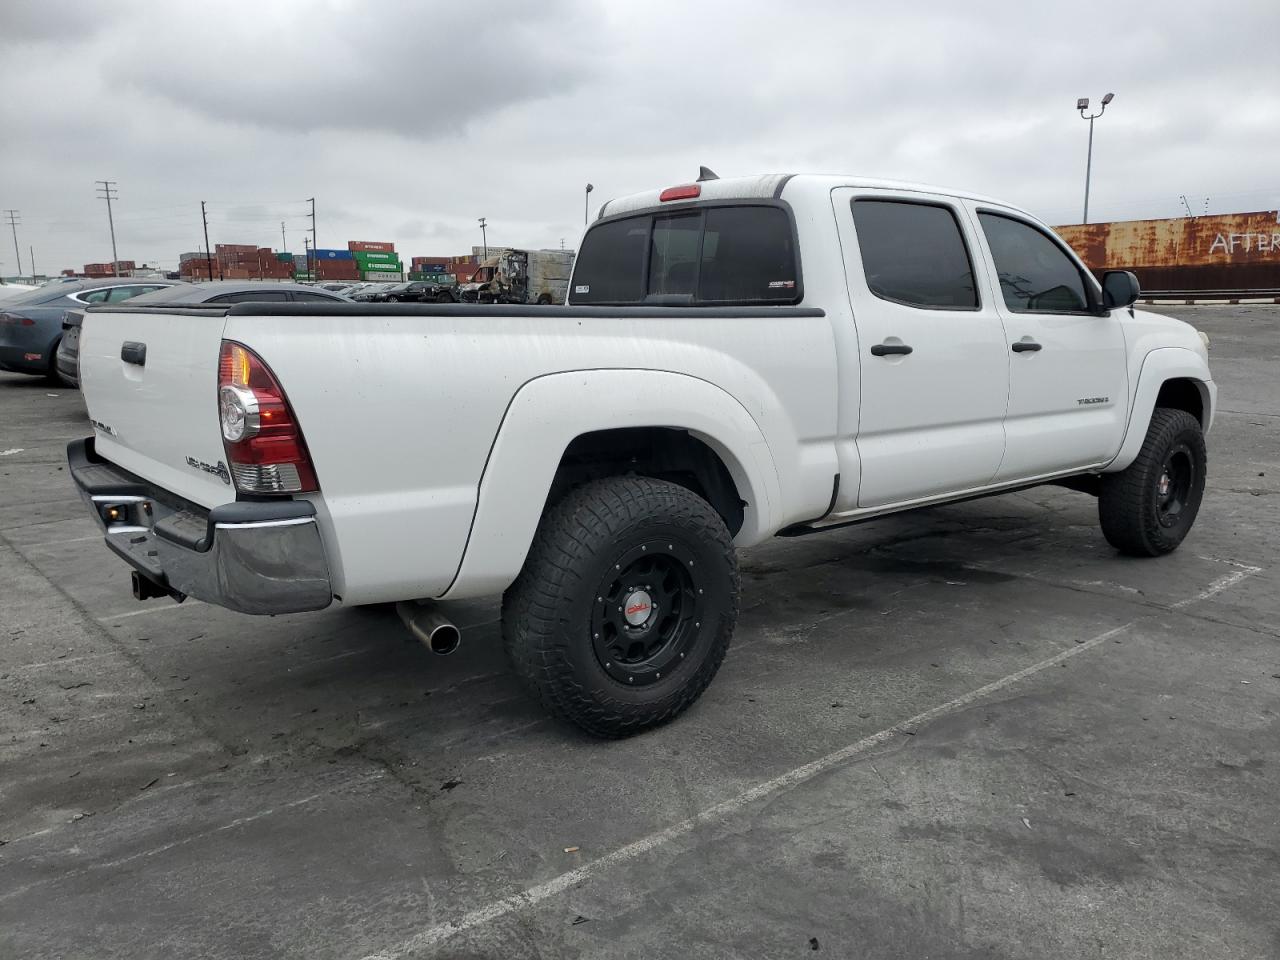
(582, 288)
(782, 284)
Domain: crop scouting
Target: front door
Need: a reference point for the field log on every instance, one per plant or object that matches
(931, 348)
(1068, 379)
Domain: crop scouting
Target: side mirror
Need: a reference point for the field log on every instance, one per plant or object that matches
(1119, 289)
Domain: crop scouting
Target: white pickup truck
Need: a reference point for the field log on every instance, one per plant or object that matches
(739, 358)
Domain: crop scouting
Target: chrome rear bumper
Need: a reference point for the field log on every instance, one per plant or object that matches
(252, 557)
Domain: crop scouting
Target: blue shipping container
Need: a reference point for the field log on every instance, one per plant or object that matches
(333, 254)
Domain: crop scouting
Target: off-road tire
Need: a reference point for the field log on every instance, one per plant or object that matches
(549, 612)
(444, 296)
(1129, 503)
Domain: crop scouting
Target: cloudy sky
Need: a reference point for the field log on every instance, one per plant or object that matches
(407, 121)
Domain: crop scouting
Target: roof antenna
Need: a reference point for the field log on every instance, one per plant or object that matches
(705, 173)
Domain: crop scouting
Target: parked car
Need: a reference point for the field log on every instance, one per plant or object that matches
(421, 291)
(189, 294)
(371, 292)
(31, 325)
(739, 358)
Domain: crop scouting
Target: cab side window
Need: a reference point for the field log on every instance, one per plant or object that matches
(914, 254)
(1036, 275)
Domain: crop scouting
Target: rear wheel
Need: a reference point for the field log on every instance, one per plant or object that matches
(1148, 508)
(51, 374)
(544, 300)
(444, 297)
(625, 606)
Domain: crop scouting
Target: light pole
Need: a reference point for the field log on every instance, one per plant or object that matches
(1082, 105)
(484, 239)
(586, 202)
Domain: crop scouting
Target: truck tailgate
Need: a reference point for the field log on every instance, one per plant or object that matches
(150, 382)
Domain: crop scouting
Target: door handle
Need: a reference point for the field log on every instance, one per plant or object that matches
(1026, 346)
(131, 351)
(890, 349)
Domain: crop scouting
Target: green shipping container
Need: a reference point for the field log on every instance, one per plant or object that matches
(371, 257)
(285, 257)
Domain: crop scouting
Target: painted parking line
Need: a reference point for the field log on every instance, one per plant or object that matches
(437, 934)
(138, 613)
(183, 841)
(1242, 572)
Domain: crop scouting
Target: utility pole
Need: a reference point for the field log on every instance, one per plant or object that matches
(208, 259)
(284, 244)
(14, 220)
(32, 252)
(107, 191)
(1082, 105)
(484, 239)
(314, 245)
(306, 246)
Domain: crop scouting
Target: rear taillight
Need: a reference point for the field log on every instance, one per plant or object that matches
(259, 430)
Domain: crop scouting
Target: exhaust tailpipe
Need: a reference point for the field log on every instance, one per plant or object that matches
(435, 631)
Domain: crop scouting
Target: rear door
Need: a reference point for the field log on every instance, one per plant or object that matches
(1068, 381)
(931, 347)
(150, 382)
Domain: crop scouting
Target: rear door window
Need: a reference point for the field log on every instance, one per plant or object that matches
(914, 254)
(253, 296)
(119, 294)
(732, 254)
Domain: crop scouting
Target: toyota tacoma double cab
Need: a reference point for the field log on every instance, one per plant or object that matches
(738, 359)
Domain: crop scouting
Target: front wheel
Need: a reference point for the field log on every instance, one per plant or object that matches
(625, 606)
(444, 297)
(1148, 508)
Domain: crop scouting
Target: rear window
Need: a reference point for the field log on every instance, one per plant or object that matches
(715, 255)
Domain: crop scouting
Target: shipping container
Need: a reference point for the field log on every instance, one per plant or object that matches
(381, 275)
(1235, 251)
(370, 246)
(333, 255)
(337, 269)
(362, 256)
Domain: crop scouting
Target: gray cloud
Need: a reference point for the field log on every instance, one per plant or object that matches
(409, 121)
(420, 71)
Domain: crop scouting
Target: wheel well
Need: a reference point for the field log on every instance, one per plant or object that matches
(1182, 394)
(659, 452)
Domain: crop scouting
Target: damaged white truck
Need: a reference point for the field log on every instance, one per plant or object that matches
(739, 358)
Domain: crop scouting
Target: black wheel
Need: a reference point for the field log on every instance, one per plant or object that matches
(444, 297)
(51, 374)
(625, 606)
(1148, 508)
(544, 300)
